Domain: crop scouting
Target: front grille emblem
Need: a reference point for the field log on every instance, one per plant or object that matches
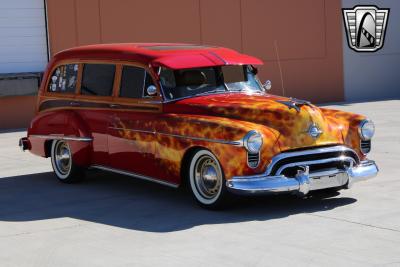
(314, 131)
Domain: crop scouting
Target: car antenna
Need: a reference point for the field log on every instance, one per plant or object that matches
(279, 66)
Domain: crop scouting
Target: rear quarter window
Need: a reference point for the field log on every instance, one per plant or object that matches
(63, 79)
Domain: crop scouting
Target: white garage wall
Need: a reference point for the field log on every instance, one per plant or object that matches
(23, 42)
(369, 76)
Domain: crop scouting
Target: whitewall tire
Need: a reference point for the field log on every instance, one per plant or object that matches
(63, 164)
(206, 179)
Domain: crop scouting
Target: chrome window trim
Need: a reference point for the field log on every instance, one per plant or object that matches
(144, 82)
(135, 175)
(193, 96)
(60, 137)
(321, 150)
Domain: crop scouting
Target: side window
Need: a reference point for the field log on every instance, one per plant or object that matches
(98, 79)
(134, 81)
(63, 79)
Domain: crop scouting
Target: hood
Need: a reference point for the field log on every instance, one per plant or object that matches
(290, 123)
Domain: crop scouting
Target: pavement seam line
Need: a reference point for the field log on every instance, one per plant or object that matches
(353, 222)
(44, 231)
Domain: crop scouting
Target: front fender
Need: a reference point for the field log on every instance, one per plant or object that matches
(349, 124)
(176, 134)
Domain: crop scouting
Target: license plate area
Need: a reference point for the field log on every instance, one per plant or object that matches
(328, 181)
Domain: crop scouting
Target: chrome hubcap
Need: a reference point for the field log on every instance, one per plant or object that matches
(208, 178)
(63, 157)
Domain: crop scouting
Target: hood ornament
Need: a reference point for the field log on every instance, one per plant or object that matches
(294, 103)
(314, 131)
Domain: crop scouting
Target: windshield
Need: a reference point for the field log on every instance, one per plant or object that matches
(190, 82)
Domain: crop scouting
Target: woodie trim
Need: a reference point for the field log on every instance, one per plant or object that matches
(116, 84)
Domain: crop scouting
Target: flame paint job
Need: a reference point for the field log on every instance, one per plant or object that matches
(156, 142)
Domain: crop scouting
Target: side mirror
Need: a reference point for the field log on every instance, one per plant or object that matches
(151, 90)
(267, 85)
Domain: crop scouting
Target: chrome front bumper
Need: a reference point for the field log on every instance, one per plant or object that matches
(304, 181)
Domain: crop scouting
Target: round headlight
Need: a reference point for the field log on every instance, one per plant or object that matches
(253, 141)
(367, 130)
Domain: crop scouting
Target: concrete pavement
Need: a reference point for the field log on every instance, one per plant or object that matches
(113, 220)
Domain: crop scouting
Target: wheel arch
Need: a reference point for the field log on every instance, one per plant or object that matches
(179, 136)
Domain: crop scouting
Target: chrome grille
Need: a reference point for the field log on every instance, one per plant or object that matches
(318, 159)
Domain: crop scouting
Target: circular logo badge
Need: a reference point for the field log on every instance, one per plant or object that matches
(314, 131)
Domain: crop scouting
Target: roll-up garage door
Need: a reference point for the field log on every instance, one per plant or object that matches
(23, 41)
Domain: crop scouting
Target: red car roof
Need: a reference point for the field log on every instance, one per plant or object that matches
(171, 55)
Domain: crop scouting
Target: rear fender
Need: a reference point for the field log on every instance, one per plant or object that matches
(53, 125)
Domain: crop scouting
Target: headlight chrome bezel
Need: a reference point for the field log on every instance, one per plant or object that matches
(363, 132)
(252, 136)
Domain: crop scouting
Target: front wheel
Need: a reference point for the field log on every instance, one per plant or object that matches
(63, 164)
(207, 181)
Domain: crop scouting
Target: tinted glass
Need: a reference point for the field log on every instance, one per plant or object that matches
(63, 79)
(132, 82)
(98, 79)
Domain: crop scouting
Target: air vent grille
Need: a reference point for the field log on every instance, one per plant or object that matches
(365, 146)
(253, 160)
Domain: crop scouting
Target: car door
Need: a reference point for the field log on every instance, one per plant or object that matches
(132, 140)
(93, 105)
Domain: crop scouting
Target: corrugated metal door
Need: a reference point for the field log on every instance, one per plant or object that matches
(23, 41)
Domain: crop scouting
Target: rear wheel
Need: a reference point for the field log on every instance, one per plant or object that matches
(207, 181)
(63, 164)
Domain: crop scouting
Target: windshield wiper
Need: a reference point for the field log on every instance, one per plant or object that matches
(213, 91)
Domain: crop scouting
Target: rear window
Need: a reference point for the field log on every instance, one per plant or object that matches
(98, 79)
(63, 79)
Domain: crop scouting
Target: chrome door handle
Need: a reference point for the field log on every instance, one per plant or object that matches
(114, 106)
(74, 104)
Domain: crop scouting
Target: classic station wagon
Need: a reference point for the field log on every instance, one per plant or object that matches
(189, 114)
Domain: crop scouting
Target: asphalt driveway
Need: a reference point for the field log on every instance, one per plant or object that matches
(113, 220)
